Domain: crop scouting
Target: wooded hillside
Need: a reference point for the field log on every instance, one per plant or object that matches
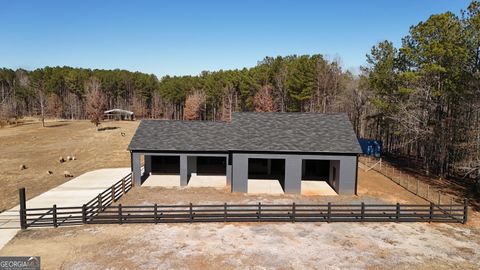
(422, 99)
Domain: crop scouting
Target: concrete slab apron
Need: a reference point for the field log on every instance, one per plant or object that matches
(75, 192)
(317, 187)
(165, 180)
(263, 186)
(215, 181)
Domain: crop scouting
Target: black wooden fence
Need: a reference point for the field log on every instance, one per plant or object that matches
(110, 195)
(54, 216)
(100, 211)
(119, 214)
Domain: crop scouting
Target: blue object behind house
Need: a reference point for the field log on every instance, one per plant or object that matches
(371, 147)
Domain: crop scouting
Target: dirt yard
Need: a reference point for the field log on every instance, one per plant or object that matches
(39, 149)
(253, 246)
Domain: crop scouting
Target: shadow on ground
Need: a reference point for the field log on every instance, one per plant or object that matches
(107, 128)
(56, 125)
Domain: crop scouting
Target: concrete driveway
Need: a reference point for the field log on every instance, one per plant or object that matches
(75, 192)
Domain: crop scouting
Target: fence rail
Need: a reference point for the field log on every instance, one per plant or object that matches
(118, 214)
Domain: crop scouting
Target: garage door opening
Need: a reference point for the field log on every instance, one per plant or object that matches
(316, 178)
(165, 172)
(211, 166)
(315, 170)
(266, 176)
(207, 171)
(165, 164)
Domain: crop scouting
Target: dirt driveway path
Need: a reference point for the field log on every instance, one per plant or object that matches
(75, 192)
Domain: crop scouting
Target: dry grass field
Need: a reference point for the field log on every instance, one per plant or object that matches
(39, 149)
(212, 246)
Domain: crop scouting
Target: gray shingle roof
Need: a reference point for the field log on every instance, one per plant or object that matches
(299, 132)
(180, 135)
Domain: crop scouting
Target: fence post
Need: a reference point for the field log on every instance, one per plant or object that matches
(439, 197)
(113, 193)
(259, 213)
(84, 214)
(362, 211)
(225, 212)
(417, 187)
(23, 208)
(120, 220)
(155, 213)
(428, 192)
(329, 211)
(397, 213)
(465, 210)
(431, 213)
(123, 186)
(100, 203)
(293, 212)
(191, 213)
(54, 214)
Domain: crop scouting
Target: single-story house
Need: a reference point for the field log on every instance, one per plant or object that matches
(288, 147)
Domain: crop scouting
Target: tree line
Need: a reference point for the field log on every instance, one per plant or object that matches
(426, 94)
(422, 100)
(293, 83)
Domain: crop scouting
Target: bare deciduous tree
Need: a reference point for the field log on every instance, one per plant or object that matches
(139, 107)
(229, 92)
(96, 101)
(263, 100)
(159, 106)
(54, 106)
(194, 105)
(7, 112)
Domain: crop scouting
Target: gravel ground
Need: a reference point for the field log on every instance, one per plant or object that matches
(253, 246)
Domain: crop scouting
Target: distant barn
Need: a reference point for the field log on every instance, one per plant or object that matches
(119, 114)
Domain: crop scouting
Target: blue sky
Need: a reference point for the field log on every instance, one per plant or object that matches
(186, 37)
